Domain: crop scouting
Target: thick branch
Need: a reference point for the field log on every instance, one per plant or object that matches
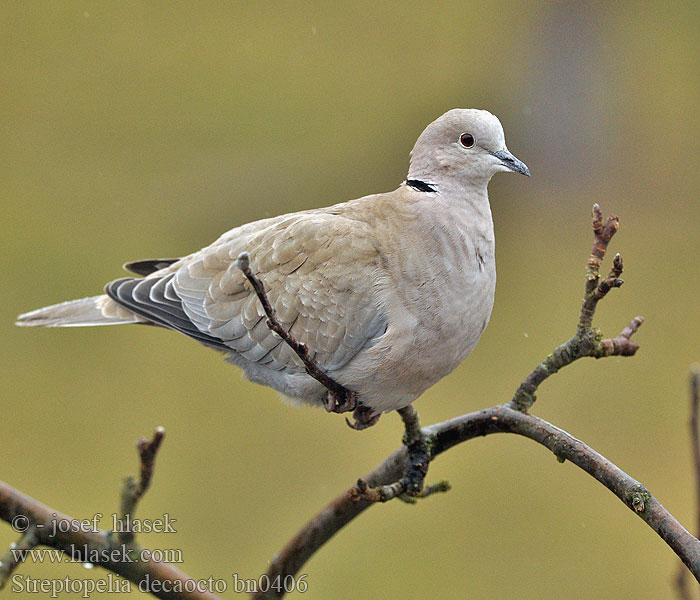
(498, 419)
(410, 485)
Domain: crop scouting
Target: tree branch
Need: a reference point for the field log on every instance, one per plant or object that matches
(132, 490)
(10, 560)
(48, 527)
(695, 432)
(681, 583)
(410, 485)
(498, 419)
(587, 341)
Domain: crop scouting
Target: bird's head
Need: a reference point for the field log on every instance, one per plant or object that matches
(465, 145)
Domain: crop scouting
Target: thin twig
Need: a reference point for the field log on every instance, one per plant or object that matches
(602, 234)
(621, 345)
(695, 433)
(340, 399)
(611, 281)
(587, 341)
(132, 490)
(16, 553)
(98, 547)
(680, 581)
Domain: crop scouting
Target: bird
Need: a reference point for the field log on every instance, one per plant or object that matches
(389, 292)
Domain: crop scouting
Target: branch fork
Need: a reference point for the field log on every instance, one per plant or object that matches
(587, 341)
(411, 485)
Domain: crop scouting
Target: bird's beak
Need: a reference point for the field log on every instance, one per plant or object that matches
(512, 163)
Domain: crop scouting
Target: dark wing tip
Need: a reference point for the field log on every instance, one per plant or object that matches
(148, 266)
(147, 298)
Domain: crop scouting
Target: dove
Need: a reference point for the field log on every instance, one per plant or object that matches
(389, 292)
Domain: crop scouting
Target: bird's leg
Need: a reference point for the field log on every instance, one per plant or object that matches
(412, 484)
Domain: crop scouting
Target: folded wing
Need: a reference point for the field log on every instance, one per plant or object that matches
(318, 270)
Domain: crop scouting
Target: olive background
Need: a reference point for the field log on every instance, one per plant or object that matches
(143, 129)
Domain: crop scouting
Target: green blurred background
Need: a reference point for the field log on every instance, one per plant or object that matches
(141, 129)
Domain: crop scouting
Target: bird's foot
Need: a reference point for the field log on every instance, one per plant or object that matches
(411, 485)
(340, 401)
(363, 417)
(345, 400)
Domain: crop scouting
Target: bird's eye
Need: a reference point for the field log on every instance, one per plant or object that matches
(467, 140)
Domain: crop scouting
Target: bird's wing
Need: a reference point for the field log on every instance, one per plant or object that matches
(318, 270)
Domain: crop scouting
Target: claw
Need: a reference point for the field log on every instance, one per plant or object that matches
(363, 418)
(341, 402)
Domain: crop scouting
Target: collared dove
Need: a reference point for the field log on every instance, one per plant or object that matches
(389, 292)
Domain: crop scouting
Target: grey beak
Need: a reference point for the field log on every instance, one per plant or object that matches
(514, 164)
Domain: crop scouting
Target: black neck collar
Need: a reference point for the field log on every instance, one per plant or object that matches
(421, 186)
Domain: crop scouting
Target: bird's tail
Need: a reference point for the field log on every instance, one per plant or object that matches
(96, 310)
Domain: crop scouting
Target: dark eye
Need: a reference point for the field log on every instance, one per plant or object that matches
(467, 140)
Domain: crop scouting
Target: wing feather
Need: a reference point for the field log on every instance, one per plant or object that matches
(318, 271)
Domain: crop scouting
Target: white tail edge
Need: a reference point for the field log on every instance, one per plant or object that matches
(85, 312)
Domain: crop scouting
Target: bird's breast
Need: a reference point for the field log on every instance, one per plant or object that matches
(444, 282)
(453, 296)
